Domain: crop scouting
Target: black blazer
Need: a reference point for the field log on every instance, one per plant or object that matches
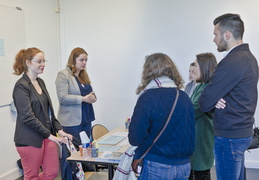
(30, 128)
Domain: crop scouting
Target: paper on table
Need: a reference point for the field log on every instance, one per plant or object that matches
(124, 142)
(124, 134)
(111, 140)
(103, 148)
(113, 156)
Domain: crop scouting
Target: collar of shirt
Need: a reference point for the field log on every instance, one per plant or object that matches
(226, 53)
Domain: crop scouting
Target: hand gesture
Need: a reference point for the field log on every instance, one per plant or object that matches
(62, 134)
(57, 140)
(89, 98)
(221, 104)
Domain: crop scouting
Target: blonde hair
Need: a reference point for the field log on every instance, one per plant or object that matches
(20, 59)
(71, 63)
(158, 65)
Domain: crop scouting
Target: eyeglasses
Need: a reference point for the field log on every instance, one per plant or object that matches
(81, 60)
(41, 61)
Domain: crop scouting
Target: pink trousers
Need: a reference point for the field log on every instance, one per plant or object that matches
(46, 157)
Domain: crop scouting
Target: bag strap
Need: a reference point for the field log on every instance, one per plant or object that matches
(168, 119)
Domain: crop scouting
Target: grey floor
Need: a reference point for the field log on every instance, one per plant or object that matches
(252, 174)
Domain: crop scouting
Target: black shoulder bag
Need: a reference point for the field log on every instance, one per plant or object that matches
(255, 140)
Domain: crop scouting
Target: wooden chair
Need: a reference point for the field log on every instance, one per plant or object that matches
(98, 131)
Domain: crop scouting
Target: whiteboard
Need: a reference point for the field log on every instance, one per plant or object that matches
(12, 40)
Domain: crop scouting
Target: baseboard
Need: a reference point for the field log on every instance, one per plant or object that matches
(252, 164)
(11, 175)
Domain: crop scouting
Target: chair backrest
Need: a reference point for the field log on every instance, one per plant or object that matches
(98, 131)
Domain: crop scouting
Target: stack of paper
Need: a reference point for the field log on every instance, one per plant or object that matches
(111, 140)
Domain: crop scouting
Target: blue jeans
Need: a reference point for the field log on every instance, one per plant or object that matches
(229, 157)
(157, 171)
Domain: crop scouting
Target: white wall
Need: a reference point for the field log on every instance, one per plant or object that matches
(118, 35)
(41, 31)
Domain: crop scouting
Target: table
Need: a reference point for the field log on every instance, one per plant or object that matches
(76, 156)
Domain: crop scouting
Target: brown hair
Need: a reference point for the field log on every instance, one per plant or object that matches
(20, 59)
(83, 76)
(158, 65)
(207, 63)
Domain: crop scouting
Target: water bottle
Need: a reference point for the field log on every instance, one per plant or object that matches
(85, 144)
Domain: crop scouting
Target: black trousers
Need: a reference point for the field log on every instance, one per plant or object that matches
(200, 175)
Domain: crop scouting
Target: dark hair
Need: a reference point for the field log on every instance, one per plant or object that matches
(207, 63)
(158, 65)
(71, 63)
(231, 22)
(19, 65)
(192, 64)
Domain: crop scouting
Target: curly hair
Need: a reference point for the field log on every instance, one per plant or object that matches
(158, 65)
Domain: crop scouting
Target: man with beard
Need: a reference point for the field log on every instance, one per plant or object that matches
(232, 95)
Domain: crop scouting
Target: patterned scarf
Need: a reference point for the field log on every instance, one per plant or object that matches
(161, 82)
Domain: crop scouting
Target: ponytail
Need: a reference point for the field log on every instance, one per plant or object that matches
(20, 66)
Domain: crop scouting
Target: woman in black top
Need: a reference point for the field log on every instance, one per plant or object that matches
(36, 126)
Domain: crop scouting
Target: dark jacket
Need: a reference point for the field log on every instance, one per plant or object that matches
(176, 144)
(30, 129)
(234, 80)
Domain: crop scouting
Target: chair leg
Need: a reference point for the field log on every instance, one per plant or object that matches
(96, 168)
